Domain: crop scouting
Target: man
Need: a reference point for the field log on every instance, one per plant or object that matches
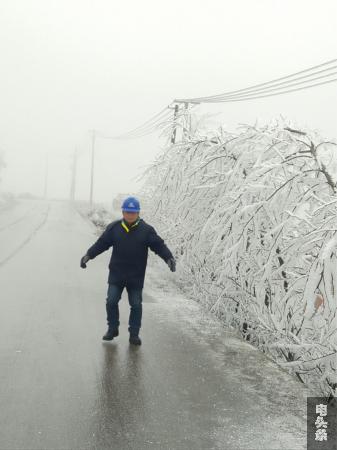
(130, 238)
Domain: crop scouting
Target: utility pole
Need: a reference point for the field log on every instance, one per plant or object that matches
(92, 166)
(174, 132)
(73, 177)
(46, 178)
(186, 123)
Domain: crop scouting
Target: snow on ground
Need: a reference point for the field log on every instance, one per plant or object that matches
(159, 283)
(276, 394)
(7, 200)
(100, 214)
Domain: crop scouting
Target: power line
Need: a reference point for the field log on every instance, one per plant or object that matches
(146, 129)
(282, 85)
(262, 86)
(160, 123)
(279, 90)
(148, 125)
(270, 95)
(162, 120)
(271, 88)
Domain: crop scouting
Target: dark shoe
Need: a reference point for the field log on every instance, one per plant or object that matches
(135, 339)
(110, 334)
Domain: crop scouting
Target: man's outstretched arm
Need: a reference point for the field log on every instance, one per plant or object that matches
(158, 246)
(102, 244)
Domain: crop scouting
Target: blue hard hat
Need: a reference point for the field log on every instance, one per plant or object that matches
(131, 204)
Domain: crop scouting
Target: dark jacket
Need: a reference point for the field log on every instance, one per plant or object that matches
(130, 251)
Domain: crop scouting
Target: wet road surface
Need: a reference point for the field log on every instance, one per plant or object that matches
(62, 387)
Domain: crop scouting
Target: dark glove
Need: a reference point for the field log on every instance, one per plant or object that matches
(171, 262)
(84, 260)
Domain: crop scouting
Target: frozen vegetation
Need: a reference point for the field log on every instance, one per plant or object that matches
(252, 217)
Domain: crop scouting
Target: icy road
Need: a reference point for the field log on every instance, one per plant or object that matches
(190, 385)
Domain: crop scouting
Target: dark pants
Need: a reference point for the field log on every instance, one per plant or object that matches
(135, 302)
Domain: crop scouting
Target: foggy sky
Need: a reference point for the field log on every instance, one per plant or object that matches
(71, 66)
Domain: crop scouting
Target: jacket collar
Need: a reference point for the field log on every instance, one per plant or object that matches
(127, 227)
